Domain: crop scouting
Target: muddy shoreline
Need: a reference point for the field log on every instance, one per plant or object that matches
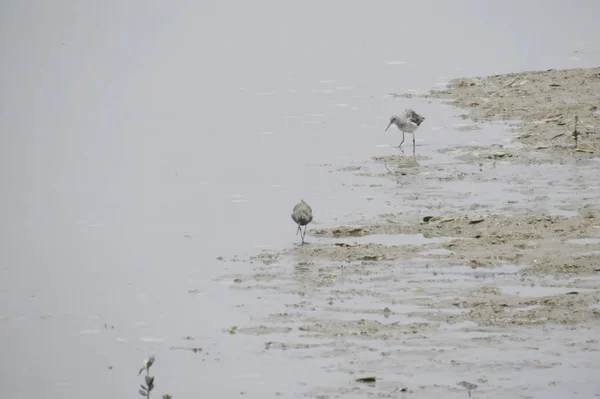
(397, 283)
(544, 103)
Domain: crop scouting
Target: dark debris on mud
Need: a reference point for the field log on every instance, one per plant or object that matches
(545, 101)
(538, 241)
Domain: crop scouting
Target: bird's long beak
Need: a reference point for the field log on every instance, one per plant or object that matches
(388, 127)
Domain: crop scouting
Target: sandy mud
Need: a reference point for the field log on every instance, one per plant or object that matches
(483, 284)
(544, 103)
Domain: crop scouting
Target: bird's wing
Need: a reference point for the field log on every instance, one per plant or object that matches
(310, 218)
(297, 206)
(413, 116)
(308, 208)
(305, 205)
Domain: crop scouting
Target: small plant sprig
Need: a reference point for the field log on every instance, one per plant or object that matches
(149, 380)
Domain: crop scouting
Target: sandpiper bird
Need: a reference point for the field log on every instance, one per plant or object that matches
(409, 122)
(302, 215)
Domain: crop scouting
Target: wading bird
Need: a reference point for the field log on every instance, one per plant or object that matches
(409, 122)
(302, 215)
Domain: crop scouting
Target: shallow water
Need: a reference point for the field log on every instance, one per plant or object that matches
(141, 141)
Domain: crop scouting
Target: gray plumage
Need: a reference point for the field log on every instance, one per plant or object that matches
(409, 122)
(302, 215)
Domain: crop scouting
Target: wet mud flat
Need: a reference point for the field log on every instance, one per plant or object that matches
(483, 279)
(545, 104)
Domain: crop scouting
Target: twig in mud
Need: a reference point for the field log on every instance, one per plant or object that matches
(575, 133)
(389, 170)
(589, 145)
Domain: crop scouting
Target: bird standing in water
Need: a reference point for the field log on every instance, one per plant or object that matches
(302, 215)
(409, 122)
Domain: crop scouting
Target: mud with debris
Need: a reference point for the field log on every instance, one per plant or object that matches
(545, 103)
(543, 244)
(483, 282)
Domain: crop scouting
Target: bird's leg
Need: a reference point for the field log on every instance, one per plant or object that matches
(400, 145)
(299, 229)
(414, 144)
(303, 234)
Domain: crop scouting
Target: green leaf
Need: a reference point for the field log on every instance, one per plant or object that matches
(150, 362)
(143, 393)
(149, 380)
